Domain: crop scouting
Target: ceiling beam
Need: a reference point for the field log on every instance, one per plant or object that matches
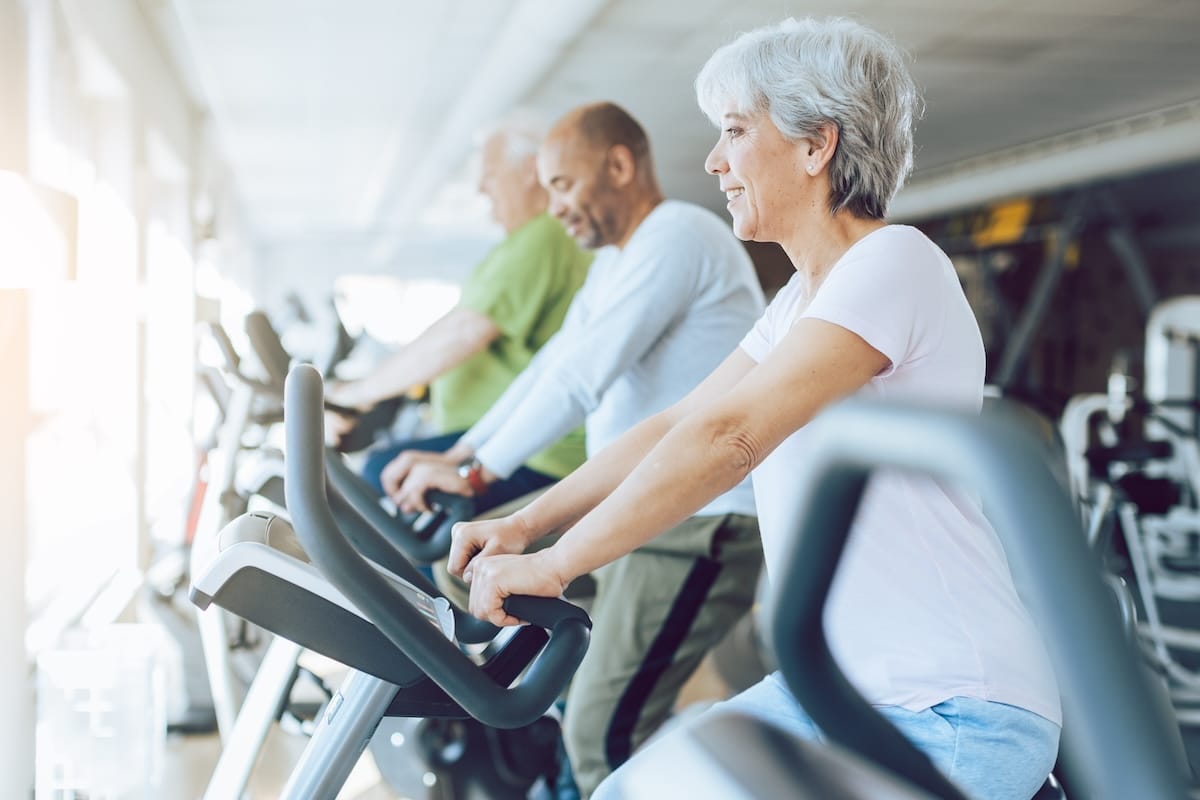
(1135, 144)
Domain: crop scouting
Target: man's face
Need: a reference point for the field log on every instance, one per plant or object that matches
(580, 196)
(505, 180)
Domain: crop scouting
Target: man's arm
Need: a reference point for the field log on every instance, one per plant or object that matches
(455, 337)
(511, 399)
(406, 481)
(625, 320)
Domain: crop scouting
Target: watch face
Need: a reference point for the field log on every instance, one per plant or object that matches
(472, 472)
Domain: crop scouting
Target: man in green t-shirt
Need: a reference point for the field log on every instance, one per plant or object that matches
(512, 303)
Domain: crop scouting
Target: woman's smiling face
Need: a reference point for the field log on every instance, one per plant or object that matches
(761, 173)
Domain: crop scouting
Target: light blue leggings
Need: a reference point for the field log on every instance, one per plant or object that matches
(992, 751)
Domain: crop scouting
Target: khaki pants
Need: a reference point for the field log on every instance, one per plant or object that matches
(657, 612)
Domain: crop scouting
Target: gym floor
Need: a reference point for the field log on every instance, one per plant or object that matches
(189, 760)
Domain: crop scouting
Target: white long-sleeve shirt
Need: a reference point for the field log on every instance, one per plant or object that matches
(652, 320)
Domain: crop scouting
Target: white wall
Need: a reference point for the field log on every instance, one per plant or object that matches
(121, 32)
(86, 81)
(16, 688)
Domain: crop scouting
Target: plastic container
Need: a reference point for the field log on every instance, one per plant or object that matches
(101, 715)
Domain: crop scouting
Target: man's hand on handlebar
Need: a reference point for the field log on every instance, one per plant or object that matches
(424, 476)
(397, 471)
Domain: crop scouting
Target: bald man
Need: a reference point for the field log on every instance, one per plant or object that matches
(669, 296)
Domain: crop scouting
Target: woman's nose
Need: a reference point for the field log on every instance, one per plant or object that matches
(715, 164)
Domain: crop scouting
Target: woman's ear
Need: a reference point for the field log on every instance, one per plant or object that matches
(821, 150)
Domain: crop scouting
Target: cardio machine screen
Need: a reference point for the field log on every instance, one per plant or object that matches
(436, 610)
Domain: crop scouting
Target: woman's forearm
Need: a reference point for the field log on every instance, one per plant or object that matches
(694, 462)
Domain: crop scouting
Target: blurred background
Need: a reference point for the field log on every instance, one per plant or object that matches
(167, 163)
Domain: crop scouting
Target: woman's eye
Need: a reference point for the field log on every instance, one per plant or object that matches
(733, 133)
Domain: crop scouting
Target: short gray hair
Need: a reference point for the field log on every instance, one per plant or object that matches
(522, 131)
(806, 73)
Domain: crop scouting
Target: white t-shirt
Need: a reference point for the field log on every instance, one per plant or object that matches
(651, 321)
(923, 606)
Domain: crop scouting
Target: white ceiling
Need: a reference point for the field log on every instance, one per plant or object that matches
(351, 121)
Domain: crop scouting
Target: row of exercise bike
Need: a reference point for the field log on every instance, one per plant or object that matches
(469, 709)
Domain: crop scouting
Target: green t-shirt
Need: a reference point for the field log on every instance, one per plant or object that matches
(524, 285)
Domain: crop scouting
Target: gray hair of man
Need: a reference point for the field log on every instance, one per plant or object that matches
(808, 73)
(522, 131)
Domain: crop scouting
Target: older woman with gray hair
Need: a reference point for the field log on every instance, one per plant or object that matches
(816, 125)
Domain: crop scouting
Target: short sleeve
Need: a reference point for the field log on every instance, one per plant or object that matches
(757, 343)
(889, 290)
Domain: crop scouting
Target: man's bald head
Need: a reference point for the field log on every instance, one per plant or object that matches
(604, 125)
(595, 162)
